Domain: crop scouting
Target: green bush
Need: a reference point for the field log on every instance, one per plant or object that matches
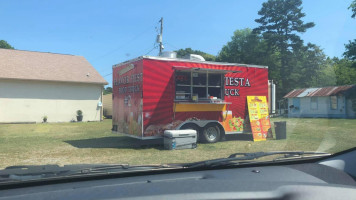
(79, 112)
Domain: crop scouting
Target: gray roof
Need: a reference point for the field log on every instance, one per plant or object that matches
(315, 92)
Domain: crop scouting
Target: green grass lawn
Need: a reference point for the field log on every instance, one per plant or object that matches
(93, 142)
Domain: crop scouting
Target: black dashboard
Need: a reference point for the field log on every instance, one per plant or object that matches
(297, 181)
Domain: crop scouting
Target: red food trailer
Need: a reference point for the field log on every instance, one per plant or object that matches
(154, 94)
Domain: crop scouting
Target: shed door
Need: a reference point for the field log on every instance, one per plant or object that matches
(296, 104)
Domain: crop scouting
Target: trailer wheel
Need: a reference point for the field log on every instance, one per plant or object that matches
(211, 133)
(193, 127)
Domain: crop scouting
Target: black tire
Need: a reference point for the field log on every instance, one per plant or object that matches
(211, 133)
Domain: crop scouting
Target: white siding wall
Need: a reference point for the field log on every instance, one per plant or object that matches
(323, 107)
(29, 101)
(107, 105)
(350, 111)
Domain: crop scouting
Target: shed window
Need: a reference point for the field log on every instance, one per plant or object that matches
(314, 103)
(333, 102)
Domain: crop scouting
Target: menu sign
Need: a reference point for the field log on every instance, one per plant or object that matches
(259, 118)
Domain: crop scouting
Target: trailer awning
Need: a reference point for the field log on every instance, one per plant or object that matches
(196, 69)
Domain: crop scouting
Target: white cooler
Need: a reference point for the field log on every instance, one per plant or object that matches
(180, 139)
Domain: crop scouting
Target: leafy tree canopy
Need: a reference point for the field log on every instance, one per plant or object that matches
(353, 8)
(5, 45)
(345, 72)
(250, 48)
(244, 47)
(280, 21)
(181, 53)
(350, 52)
(107, 90)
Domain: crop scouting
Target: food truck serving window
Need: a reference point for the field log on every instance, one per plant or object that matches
(199, 82)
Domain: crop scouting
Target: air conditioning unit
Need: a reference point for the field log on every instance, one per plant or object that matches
(194, 57)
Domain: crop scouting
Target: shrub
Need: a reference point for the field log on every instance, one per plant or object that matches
(79, 113)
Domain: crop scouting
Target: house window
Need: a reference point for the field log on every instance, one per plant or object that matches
(204, 84)
(314, 103)
(333, 102)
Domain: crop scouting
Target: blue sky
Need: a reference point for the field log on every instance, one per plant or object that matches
(110, 32)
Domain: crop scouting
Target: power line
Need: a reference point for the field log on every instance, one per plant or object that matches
(105, 70)
(107, 75)
(171, 45)
(134, 38)
(122, 46)
(155, 47)
(150, 50)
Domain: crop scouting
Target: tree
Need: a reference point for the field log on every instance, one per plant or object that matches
(308, 64)
(280, 22)
(107, 90)
(249, 48)
(238, 50)
(181, 53)
(5, 45)
(350, 52)
(353, 8)
(327, 75)
(244, 47)
(345, 72)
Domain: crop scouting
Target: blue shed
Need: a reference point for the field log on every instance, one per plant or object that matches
(326, 102)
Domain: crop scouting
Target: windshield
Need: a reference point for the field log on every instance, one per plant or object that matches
(152, 83)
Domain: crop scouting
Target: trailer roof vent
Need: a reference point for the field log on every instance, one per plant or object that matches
(169, 54)
(194, 57)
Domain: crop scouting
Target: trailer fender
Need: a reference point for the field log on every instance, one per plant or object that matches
(202, 124)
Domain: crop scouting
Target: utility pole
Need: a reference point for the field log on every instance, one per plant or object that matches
(160, 41)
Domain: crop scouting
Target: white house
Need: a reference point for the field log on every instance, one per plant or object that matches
(37, 84)
(327, 102)
(107, 105)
